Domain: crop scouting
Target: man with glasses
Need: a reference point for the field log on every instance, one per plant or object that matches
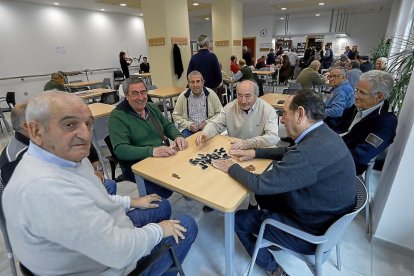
(196, 106)
(341, 98)
(139, 130)
(373, 128)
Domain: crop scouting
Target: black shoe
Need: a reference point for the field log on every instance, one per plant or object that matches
(207, 209)
(253, 207)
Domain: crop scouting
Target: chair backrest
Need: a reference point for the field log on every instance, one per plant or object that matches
(118, 75)
(108, 143)
(110, 97)
(11, 98)
(107, 83)
(295, 85)
(289, 91)
(337, 229)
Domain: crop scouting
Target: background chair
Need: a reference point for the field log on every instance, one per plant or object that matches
(324, 243)
(290, 91)
(110, 97)
(366, 179)
(107, 83)
(10, 100)
(295, 85)
(113, 162)
(118, 79)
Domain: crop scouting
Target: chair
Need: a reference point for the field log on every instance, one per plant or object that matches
(10, 100)
(118, 78)
(289, 91)
(295, 85)
(3, 228)
(366, 179)
(324, 243)
(110, 97)
(160, 103)
(113, 162)
(107, 83)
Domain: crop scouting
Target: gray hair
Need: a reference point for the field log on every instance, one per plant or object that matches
(381, 81)
(39, 108)
(340, 69)
(254, 84)
(18, 116)
(383, 61)
(315, 65)
(354, 64)
(203, 41)
(195, 73)
(242, 62)
(132, 80)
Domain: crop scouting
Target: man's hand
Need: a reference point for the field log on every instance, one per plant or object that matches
(146, 202)
(243, 155)
(163, 151)
(181, 143)
(100, 175)
(202, 125)
(172, 228)
(201, 139)
(193, 128)
(239, 145)
(222, 164)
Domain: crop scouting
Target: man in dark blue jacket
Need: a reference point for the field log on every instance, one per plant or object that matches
(373, 128)
(206, 63)
(310, 185)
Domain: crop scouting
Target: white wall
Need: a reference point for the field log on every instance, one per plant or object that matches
(252, 27)
(197, 29)
(40, 39)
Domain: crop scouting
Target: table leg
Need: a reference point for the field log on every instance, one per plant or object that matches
(96, 145)
(229, 241)
(142, 191)
(164, 104)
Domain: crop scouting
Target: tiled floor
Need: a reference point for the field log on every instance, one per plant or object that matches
(206, 258)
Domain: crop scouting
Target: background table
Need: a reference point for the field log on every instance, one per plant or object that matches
(164, 94)
(93, 93)
(273, 98)
(145, 76)
(76, 85)
(210, 186)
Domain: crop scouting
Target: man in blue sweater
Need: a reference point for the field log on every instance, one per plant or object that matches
(309, 186)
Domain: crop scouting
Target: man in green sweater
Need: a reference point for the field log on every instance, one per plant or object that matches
(139, 130)
(56, 82)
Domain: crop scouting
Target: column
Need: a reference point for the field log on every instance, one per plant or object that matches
(227, 26)
(164, 20)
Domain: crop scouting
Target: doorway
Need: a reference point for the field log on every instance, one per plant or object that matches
(250, 43)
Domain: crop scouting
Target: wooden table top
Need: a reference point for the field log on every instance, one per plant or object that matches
(257, 72)
(82, 84)
(166, 92)
(143, 75)
(273, 98)
(100, 109)
(93, 92)
(209, 186)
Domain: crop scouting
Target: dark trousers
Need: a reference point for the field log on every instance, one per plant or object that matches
(248, 222)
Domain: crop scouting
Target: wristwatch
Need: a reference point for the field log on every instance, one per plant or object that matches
(99, 168)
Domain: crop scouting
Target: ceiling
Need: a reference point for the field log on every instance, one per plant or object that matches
(197, 14)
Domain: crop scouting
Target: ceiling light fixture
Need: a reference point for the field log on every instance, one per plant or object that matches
(318, 14)
(207, 18)
(123, 4)
(321, 3)
(283, 9)
(196, 4)
(102, 9)
(141, 14)
(282, 18)
(56, 4)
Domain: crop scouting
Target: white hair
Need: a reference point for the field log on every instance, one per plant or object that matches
(381, 81)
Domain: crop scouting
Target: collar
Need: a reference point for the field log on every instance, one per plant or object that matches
(366, 112)
(309, 129)
(187, 93)
(21, 138)
(49, 157)
(124, 106)
(250, 110)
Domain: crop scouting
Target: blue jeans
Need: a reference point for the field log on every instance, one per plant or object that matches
(142, 217)
(248, 222)
(110, 186)
(187, 133)
(151, 187)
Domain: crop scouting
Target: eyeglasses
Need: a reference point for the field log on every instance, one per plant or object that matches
(333, 76)
(363, 93)
(137, 93)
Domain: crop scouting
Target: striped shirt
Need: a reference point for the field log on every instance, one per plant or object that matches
(197, 108)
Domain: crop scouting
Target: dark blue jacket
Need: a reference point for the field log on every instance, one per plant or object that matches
(371, 136)
(207, 64)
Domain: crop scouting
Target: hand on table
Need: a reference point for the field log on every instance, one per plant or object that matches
(222, 164)
(163, 151)
(240, 144)
(146, 202)
(180, 142)
(193, 128)
(201, 139)
(172, 228)
(202, 125)
(243, 155)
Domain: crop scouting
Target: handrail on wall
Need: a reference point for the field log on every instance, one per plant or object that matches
(86, 71)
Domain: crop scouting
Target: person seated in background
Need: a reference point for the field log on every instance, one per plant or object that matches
(306, 188)
(234, 66)
(248, 118)
(285, 70)
(381, 64)
(365, 64)
(61, 220)
(352, 55)
(56, 82)
(260, 63)
(138, 130)
(347, 50)
(353, 73)
(144, 67)
(341, 97)
(309, 77)
(327, 57)
(271, 57)
(245, 72)
(373, 127)
(196, 106)
(125, 61)
(343, 62)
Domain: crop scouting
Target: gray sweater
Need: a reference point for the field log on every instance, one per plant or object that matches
(61, 221)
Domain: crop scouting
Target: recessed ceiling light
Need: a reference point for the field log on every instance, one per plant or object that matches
(282, 18)
(207, 18)
(318, 14)
(57, 4)
(141, 14)
(321, 3)
(195, 4)
(102, 9)
(123, 4)
(283, 9)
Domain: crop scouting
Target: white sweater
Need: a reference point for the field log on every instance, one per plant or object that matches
(61, 221)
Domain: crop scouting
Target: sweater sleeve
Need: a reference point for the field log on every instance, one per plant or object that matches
(179, 115)
(103, 241)
(270, 136)
(217, 125)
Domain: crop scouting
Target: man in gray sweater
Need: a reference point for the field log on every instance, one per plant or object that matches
(61, 221)
(310, 185)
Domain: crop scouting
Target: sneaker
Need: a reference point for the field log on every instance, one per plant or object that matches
(207, 209)
(279, 272)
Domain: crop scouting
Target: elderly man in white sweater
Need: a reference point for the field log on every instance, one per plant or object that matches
(249, 118)
(61, 220)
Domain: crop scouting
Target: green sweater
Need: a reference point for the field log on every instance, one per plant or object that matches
(51, 85)
(134, 138)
